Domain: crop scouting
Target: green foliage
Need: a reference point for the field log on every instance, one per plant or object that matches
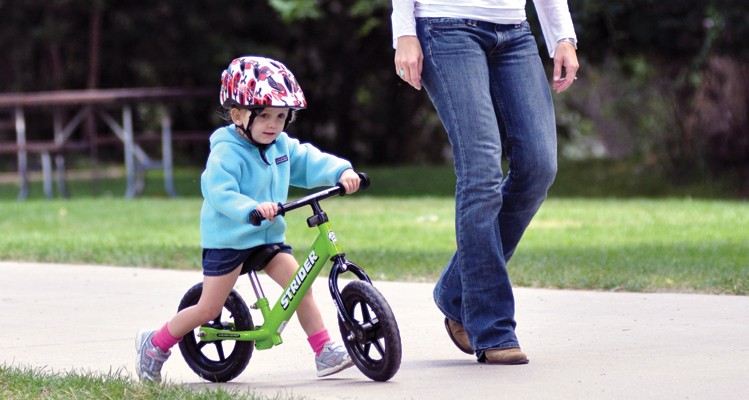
(184, 43)
(664, 81)
(643, 63)
(624, 108)
(293, 10)
(675, 31)
(340, 51)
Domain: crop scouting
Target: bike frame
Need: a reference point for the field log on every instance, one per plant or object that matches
(325, 247)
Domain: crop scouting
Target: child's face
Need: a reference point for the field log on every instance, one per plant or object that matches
(267, 125)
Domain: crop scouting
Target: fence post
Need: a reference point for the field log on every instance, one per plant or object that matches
(47, 175)
(166, 150)
(22, 160)
(127, 127)
(60, 138)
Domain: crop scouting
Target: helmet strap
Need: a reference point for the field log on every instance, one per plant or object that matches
(245, 130)
(288, 119)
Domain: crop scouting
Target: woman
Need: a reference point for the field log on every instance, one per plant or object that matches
(480, 66)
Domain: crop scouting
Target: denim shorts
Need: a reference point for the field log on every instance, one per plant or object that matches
(219, 262)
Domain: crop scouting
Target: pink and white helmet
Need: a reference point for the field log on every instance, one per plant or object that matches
(257, 82)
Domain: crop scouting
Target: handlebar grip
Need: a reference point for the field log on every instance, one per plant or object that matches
(256, 218)
(364, 180)
(363, 185)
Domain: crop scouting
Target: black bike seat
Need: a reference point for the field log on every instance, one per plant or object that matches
(260, 258)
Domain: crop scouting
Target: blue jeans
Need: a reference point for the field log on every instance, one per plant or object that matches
(488, 85)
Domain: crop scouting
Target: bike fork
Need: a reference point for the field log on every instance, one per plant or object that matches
(340, 265)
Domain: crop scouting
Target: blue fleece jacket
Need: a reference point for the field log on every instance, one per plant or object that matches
(237, 178)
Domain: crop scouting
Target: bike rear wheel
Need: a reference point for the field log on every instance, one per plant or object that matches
(222, 360)
(374, 342)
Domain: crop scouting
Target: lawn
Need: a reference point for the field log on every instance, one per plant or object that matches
(30, 383)
(637, 245)
(589, 179)
(604, 227)
(623, 244)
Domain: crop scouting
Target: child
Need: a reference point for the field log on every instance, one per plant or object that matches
(250, 167)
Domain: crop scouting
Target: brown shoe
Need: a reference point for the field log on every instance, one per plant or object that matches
(509, 356)
(459, 336)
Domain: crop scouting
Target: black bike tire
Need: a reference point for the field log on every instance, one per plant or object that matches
(362, 294)
(190, 346)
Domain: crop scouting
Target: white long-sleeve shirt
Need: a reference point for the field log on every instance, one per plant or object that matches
(554, 15)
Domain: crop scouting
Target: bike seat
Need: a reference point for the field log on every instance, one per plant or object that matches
(260, 258)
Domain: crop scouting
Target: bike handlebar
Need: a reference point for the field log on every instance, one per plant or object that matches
(256, 218)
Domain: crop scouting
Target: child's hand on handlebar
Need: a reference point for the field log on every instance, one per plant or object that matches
(350, 181)
(268, 210)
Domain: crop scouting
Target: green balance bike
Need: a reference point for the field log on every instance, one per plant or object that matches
(220, 350)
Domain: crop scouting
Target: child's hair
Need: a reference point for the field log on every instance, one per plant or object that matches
(225, 114)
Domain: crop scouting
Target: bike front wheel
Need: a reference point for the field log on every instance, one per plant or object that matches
(222, 360)
(374, 341)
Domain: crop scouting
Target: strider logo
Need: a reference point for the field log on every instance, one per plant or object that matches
(301, 275)
(283, 159)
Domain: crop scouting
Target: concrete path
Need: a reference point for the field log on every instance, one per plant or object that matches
(582, 344)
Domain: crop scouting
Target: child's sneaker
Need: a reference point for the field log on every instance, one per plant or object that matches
(333, 358)
(149, 358)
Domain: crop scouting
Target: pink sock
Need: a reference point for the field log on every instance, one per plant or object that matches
(163, 339)
(318, 340)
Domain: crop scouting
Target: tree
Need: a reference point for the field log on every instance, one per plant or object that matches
(358, 107)
(692, 53)
(647, 67)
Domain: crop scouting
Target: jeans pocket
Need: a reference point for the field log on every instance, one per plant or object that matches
(449, 23)
(450, 35)
(220, 256)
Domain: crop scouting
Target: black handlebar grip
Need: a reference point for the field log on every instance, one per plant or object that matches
(363, 185)
(364, 180)
(256, 218)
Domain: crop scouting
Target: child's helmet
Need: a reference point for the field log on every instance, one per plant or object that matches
(254, 82)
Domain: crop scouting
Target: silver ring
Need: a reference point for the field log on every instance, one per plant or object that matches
(400, 73)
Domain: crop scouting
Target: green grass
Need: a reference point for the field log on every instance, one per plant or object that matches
(606, 226)
(37, 383)
(589, 179)
(636, 245)
(389, 182)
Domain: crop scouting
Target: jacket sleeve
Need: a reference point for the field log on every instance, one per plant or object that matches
(311, 168)
(220, 185)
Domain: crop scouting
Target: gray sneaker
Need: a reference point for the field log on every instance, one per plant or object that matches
(149, 358)
(333, 358)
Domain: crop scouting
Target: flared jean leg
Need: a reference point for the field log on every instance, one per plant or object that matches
(468, 66)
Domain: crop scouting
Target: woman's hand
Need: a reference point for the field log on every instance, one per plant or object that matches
(564, 56)
(409, 60)
(350, 181)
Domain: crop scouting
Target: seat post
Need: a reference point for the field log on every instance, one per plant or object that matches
(256, 285)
